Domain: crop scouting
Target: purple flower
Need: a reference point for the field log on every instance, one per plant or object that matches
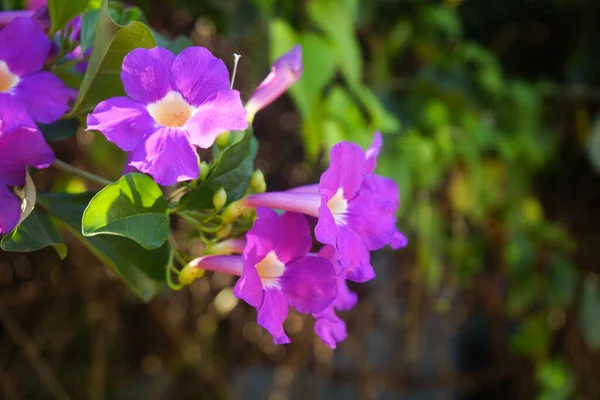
(21, 145)
(331, 328)
(174, 105)
(22, 55)
(351, 216)
(286, 70)
(278, 272)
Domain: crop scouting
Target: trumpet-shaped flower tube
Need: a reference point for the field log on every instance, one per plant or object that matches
(174, 104)
(351, 216)
(21, 145)
(23, 51)
(286, 70)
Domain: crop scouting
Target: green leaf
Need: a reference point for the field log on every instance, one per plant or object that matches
(336, 20)
(233, 172)
(34, 233)
(142, 270)
(176, 45)
(589, 312)
(63, 11)
(112, 42)
(133, 207)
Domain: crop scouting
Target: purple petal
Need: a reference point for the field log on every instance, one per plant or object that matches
(128, 168)
(294, 239)
(44, 96)
(24, 46)
(271, 314)
(372, 218)
(168, 156)
(326, 230)
(123, 121)
(145, 74)
(330, 328)
(12, 114)
(310, 284)
(198, 75)
(19, 148)
(263, 236)
(385, 187)
(398, 241)
(222, 112)
(346, 299)
(10, 210)
(249, 287)
(354, 256)
(284, 73)
(345, 171)
(373, 152)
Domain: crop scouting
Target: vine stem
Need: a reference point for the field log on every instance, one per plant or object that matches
(63, 166)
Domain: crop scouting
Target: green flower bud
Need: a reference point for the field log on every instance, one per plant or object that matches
(219, 199)
(224, 231)
(189, 273)
(258, 183)
(232, 212)
(223, 139)
(204, 170)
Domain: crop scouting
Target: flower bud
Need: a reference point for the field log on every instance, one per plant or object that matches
(204, 170)
(224, 232)
(258, 183)
(219, 199)
(189, 273)
(232, 212)
(223, 139)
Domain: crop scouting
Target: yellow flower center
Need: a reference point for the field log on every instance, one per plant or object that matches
(8, 80)
(270, 269)
(172, 110)
(338, 206)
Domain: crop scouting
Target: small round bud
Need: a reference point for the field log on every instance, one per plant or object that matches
(189, 273)
(258, 183)
(224, 231)
(223, 139)
(219, 199)
(204, 170)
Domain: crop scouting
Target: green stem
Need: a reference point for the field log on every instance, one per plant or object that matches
(177, 192)
(170, 269)
(63, 166)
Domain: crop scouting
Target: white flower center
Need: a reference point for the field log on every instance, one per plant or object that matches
(270, 269)
(8, 80)
(172, 110)
(338, 206)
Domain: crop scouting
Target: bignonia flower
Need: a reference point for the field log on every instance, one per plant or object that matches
(351, 216)
(386, 187)
(277, 271)
(175, 103)
(286, 70)
(23, 50)
(21, 145)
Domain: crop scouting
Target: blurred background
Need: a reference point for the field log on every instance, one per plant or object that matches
(489, 113)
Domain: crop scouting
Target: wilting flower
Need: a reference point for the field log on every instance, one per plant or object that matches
(174, 105)
(286, 70)
(277, 271)
(351, 217)
(23, 51)
(21, 145)
(331, 328)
